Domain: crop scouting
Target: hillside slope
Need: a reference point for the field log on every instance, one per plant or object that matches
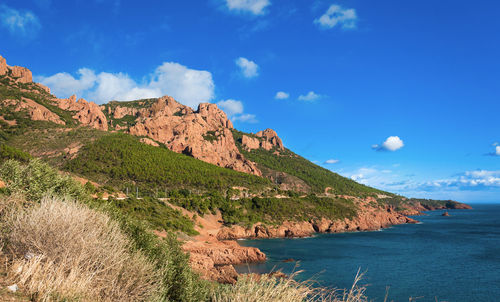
(172, 168)
(206, 134)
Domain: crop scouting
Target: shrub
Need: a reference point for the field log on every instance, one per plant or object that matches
(64, 250)
(8, 152)
(37, 179)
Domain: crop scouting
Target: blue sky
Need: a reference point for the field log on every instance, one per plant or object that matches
(400, 95)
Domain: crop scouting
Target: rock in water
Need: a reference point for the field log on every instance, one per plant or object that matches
(445, 214)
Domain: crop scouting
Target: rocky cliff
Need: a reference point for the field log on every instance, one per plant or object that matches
(266, 139)
(205, 133)
(19, 74)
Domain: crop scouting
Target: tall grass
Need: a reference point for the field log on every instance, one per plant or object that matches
(64, 250)
(265, 288)
(28, 183)
(78, 249)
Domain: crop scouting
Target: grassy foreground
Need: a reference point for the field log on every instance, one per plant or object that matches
(62, 245)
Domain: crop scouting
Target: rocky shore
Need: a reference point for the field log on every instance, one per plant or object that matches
(214, 252)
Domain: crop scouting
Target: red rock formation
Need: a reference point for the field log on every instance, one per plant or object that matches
(19, 74)
(267, 139)
(271, 139)
(3, 66)
(119, 111)
(43, 87)
(87, 113)
(204, 134)
(368, 219)
(149, 141)
(250, 143)
(35, 111)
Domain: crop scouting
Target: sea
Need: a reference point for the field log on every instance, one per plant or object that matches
(455, 258)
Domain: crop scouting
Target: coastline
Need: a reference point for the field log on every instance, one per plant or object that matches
(215, 250)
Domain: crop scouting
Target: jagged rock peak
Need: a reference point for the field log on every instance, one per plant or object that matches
(87, 113)
(204, 134)
(209, 110)
(21, 74)
(269, 139)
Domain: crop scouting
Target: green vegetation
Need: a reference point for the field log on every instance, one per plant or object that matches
(176, 280)
(127, 120)
(138, 104)
(37, 179)
(7, 152)
(155, 213)
(271, 210)
(50, 143)
(401, 203)
(210, 136)
(120, 159)
(316, 177)
(9, 92)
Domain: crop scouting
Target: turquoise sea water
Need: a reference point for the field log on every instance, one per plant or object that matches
(454, 258)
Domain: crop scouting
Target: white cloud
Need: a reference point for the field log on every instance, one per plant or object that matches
(231, 107)
(64, 84)
(246, 118)
(120, 87)
(310, 96)
(281, 95)
(188, 86)
(497, 150)
(331, 161)
(256, 7)
(392, 143)
(337, 15)
(363, 174)
(248, 68)
(234, 110)
(17, 22)
(469, 180)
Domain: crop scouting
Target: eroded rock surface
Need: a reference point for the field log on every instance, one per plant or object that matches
(266, 139)
(87, 113)
(35, 111)
(204, 134)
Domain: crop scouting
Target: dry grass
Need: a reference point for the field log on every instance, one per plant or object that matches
(61, 250)
(271, 289)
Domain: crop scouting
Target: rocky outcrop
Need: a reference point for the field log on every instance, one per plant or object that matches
(368, 219)
(204, 134)
(18, 73)
(149, 141)
(214, 260)
(87, 113)
(286, 181)
(21, 74)
(270, 139)
(35, 111)
(119, 112)
(3, 66)
(250, 143)
(267, 139)
(43, 87)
